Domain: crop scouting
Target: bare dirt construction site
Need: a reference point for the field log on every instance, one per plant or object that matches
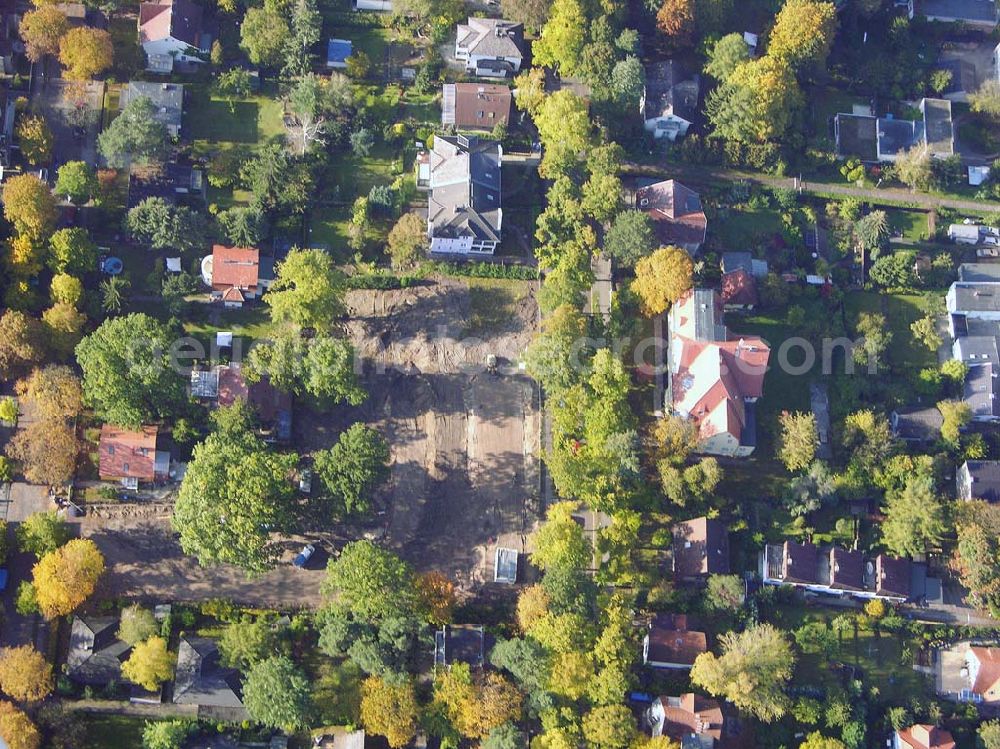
(464, 447)
(464, 441)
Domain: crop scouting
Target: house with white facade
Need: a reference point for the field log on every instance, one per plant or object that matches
(669, 102)
(490, 47)
(464, 214)
(170, 32)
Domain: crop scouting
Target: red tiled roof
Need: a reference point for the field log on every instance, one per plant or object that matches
(180, 19)
(670, 641)
(232, 294)
(923, 736)
(126, 454)
(739, 288)
(691, 714)
(475, 102)
(235, 266)
(988, 674)
(701, 547)
(677, 211)
(265, 399)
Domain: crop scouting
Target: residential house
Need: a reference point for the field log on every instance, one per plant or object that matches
(490, 47)
(224, 385)
(670, 644)
(974, 322)
(76, 13)
(700, 548)
(917, 425)
(963, 79)
(873, 139)
(691, 720)
(979, 479)
(95, 654)
(167, 100)
(236, 274)
(738, 290)
(505, 565)
(172, 182)
(734, 261)
(460, 643)
(337, 52)
(715, 377)
(383, 6)
(981, 14)
(979, 272)
(839, 572)
(669, 102)
(475, 106)
(131, 457)
(464, 214)
(202, 680)
(922, 736)
(677, 213)
(170, 32)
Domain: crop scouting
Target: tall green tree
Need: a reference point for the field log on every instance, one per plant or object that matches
(727, 54)
(353, 468)
(135, 135)
(799, 439)
(563, 38)
(127, 374)
(916, 519)
(307, 290)
(265, 33)
(277, 694)
(372, 583)
(756, 102)
(803, 33)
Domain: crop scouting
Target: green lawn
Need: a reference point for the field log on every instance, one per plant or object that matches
(744, 229)
(912, 224)
(119, 731)
(250, 322)
(900, 311)
(212, 121)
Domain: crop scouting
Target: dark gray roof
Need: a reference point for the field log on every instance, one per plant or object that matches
(980, 392)
(963, 76)
(95, 654)
(896, 136)
(977, 349)
(167, 100)
(465, 188)
(917, 424)
(459, 643)
(972, 297)
(857, 135)
(201, 679)
(979, 272)
(670, 92)
(938, 128)
(978, 11)
(985, 475)
(708, 324)
(736, 261)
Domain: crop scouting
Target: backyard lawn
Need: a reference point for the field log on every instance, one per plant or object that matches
(900, 310)
(119, 731)
(743, 229)
(212, 121)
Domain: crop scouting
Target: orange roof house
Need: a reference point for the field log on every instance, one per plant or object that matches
(984, 673)
(684, 717)
(715, 376)
(922, 736)
(235, 274)
(670, 644)
(739, 290)
(131, 456)
(677, 213)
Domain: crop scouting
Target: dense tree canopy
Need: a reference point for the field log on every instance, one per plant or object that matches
(307, 290)
(86, 52)
(803, 32)
(16, 728)
(150, 664)
(25, 675)
(756, 102)
(277, 694)
(353, 468)
(65, 578)
(371, 582)
(29, 205)
(41, 30)
(662, 278)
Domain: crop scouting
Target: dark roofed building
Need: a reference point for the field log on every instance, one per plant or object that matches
(460, 643)
(738, 290)
(979, 272)
(980, 391)
(973, 12)
(701, 548)
(896, 136)
(202, 680)
(800, 563)
(475, 106)
(273, 407)
(856, 135)
(939, 131)
(96, 654)
(892, 577)
(669, 103)
(670, 644)
(167, 100)
(979, 479)
(677, 213)
(847, 569)
(464, 214)
(170, 182)
(919, 425)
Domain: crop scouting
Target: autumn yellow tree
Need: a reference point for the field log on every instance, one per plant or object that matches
(86, 52)
(390, 710)
(476, 705)
(25, 675)
(29, 205)
(662, 278)
(17, 730)
(64, 324)
(66, 577)
(676, 20)
(36, 139)
(438, 596)
(756, 102)
(46, 451)
(803, 32)
(41, 30)
(54, 392)
(150, 664)
(24, 256)
(532, 605)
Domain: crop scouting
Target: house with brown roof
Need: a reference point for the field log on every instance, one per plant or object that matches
(670, 644)
(922, 736)
(475, 106)
(225, 385)
(236, 274)
(677, 213)
(131, 457)
(170, 32)
(837, 571)
(701, 548)
(690, 719)
(738, 290)
(715, 377)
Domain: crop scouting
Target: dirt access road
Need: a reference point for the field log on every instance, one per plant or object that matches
(464, 471)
